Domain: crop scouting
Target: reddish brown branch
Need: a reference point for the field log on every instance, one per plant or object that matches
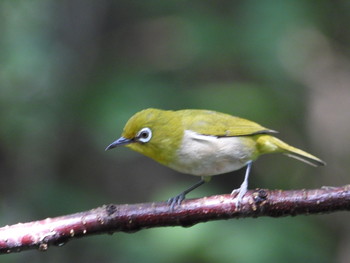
(131, 218)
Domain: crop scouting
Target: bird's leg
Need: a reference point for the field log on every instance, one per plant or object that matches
(176, 200)
(244, 186)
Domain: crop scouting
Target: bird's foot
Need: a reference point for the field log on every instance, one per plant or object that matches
(176, 200)
(243, 188)
(239, 192)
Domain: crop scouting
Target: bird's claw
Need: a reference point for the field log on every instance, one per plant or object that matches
(235, 191)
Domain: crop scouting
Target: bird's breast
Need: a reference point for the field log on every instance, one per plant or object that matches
(206, 155)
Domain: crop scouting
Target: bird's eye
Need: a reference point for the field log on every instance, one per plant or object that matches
(144, 135)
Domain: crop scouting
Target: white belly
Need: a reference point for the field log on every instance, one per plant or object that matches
(205, 155)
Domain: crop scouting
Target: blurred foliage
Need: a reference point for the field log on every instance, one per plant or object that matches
(73, 72)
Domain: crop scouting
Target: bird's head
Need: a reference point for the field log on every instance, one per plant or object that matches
(154, 133)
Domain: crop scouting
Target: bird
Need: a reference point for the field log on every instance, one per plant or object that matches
(203, 143)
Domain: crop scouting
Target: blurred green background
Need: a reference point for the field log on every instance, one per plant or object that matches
(73, 72)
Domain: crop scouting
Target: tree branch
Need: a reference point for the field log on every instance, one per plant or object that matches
(131, 218)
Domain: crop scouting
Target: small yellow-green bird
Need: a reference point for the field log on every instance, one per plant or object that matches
(203, 143)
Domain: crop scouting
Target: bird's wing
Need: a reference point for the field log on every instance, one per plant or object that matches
(220, 124)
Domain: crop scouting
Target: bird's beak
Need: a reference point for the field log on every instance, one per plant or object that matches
(119, 142)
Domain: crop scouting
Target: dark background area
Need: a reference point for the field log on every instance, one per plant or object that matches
(73, 72)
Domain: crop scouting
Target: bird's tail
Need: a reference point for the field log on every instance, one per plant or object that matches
(270, 144)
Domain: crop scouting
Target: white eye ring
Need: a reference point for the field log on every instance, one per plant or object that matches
(144, 135)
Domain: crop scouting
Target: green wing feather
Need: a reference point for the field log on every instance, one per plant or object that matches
(220, 124)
